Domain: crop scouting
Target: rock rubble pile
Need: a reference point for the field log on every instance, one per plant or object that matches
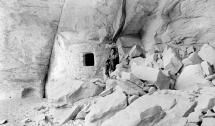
(160, 89)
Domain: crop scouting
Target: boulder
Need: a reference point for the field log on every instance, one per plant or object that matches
(205, 102)
(130, 88)
(107, 92)
(132, 98)
(209, 114)
(137, 61)
(195, 117)
(121, 70)
(207, 53)
(126, 43)
(213, 108)
(63, 115)
(111, 83)
(213, 81)
(73, 90)
(171, 61)
(191, 124)
(192, 59)
(81, 115)
(208, 122)
(163, 82)
(210, 77)
(125, 76)
(171, 120)
(97, 81)
(151, 116)
(206, 68)
(180, 122)
(136, 51)
(160, 63)
(182, 108)
(105, 108)
(87, 90)
(3, 121)
(150, 74)
(190, 50)
(152, 90)
(192, 76)
(130, 116)
(138, 82)
(151, 60)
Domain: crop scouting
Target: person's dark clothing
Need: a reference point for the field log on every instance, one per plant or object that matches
(111, 63)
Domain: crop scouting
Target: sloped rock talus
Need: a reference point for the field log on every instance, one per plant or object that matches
(105, 108)
(131, 116)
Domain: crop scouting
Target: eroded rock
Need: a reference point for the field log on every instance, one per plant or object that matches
(171, 61)
(150, 74)
(132, 99)
(195, 117)
(192, 59)
(130, 88)
(139, 106)
(73, 90)
(105, 108)
(207, 53)
(151, 116)
(206, 68)
(208, 122)
(63, 115)
(191, 76)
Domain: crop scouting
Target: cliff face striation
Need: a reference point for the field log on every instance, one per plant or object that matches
(28, 29)
(58, 48)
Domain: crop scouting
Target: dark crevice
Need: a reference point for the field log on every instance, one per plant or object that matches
(192, 109)
(122, 23)
(49, 62)
(44, 85)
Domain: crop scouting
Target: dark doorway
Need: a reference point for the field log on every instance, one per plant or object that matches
(88, 59)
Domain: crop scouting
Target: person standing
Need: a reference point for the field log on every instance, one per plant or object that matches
(112, 61)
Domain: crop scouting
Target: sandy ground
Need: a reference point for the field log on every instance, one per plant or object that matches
(16, 110)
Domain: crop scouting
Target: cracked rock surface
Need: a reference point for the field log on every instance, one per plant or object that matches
(166, 74)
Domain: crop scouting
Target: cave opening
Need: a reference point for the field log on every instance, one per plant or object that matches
(88, 59)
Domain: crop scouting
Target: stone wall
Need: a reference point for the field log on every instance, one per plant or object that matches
(67, 62)
(83, 27)
(77, 52)
(68, 56)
